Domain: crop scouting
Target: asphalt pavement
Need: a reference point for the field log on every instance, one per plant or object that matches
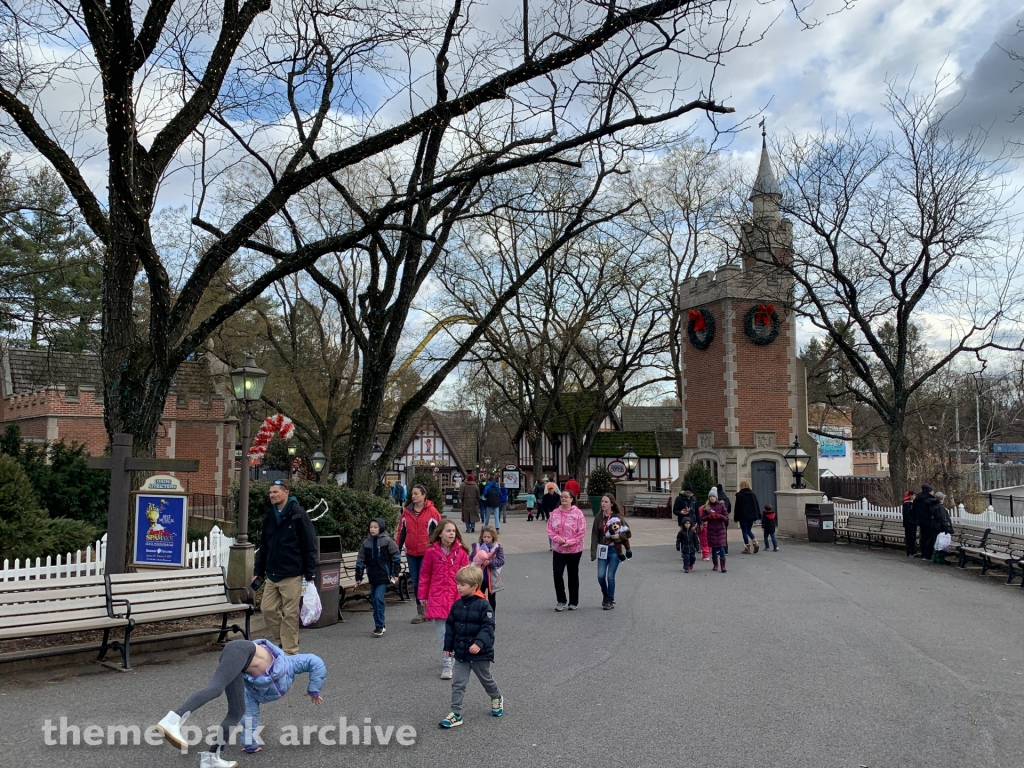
(817, 655)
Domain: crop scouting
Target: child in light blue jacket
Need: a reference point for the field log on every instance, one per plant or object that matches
(250, 673)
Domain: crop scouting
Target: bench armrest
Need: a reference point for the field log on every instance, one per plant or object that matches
(127, 608)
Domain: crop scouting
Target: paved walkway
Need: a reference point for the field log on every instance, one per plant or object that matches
(816, 656)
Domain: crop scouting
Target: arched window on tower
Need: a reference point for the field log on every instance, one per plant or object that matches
(712, 466)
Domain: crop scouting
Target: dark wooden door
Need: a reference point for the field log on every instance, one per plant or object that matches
(763, 482)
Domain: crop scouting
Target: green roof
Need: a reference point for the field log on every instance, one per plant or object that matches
(609, 444)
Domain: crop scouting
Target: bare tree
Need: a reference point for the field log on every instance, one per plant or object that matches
(186, 93)
(684, 217)
(892, 231)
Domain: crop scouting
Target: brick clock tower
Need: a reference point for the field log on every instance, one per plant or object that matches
(744, 388)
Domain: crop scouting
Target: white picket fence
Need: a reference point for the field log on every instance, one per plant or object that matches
(211, 550)
(987, 519)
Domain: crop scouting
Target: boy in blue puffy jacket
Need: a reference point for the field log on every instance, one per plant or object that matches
(250, 673)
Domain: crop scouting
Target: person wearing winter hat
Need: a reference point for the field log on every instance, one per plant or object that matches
(249, 673)
(716, 520)
(381, 560)
(909, 524)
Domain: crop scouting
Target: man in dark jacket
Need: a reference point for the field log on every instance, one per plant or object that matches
(469, 639)
(685, 506)
(909, 524)
(921, 512)
(287, 553)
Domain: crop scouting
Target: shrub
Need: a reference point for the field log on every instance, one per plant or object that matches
(64, 484)
(701, 479)
(434, 491)
(26, 530)
(349, 517)
(601, 482)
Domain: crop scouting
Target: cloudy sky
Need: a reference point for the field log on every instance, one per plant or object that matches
(840, 67)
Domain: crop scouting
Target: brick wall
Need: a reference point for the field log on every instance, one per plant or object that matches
(704, 384)
(762, 381)
(191, 428)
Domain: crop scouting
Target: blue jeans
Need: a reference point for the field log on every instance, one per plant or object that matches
(485, 516)
(415, 563)
(718, 552)
(606, 573)
(774, 542)
(377, 601)
(748, 534)
(689, 558)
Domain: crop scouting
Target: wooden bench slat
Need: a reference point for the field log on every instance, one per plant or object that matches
(165, 576)
(54, 606)
(58, 628)
(165, 585)
(54, 617)
(35, 595)
(186, 613)
(141, 598)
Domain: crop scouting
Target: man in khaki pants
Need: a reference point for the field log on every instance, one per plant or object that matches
(287, 553)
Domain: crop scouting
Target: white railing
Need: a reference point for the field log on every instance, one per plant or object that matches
(987, 519)
(211, 550)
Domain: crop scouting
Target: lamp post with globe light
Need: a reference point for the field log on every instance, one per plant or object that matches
(247, 383)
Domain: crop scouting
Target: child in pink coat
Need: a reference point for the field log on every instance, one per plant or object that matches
(437, 588)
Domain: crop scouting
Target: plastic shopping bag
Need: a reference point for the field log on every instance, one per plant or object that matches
(943, 542)
(309, 612)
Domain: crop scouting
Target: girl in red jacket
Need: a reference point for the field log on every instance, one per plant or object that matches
(438, 589)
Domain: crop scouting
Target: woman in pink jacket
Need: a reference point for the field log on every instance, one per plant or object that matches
(437, 588)
(567, 528)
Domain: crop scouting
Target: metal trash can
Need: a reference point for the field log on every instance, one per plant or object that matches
(328, 578)
(821, 522)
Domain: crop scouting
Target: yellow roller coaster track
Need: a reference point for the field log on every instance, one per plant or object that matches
(441, 325)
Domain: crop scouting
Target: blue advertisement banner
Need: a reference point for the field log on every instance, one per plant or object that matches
(1008, 448)
(160, 530)
(831, 446)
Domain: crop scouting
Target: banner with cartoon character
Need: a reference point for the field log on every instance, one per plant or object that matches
(160, 530)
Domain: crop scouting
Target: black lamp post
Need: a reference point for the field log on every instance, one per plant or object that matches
(247, 383)
(631, 460)
(292, 450)
(797, 458)
(318, 460)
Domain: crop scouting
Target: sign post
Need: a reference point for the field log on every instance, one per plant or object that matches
(121, 464)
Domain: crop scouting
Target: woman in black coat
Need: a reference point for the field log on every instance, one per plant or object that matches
(748, 512)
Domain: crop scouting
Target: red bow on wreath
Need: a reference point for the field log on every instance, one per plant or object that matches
(697, 318)
(763, 314)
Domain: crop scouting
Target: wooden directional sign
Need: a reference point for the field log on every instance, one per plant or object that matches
(121, 464)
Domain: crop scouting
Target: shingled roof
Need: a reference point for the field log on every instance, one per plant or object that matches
(459, 430)
(648, 418)
(31, 370)
(646, 444)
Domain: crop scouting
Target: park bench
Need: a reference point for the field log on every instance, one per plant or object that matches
(43, 607)
(179, 594)
(651, 505)
(859, 526)
(996, 549)
(970, 544)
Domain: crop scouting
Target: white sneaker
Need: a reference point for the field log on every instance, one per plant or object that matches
(214, 760)
(446, 671)
(560, 606)
(170, 727)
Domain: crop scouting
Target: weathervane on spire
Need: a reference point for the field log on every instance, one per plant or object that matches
(764, 131)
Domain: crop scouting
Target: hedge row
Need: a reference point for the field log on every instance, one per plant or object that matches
(349, 516)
